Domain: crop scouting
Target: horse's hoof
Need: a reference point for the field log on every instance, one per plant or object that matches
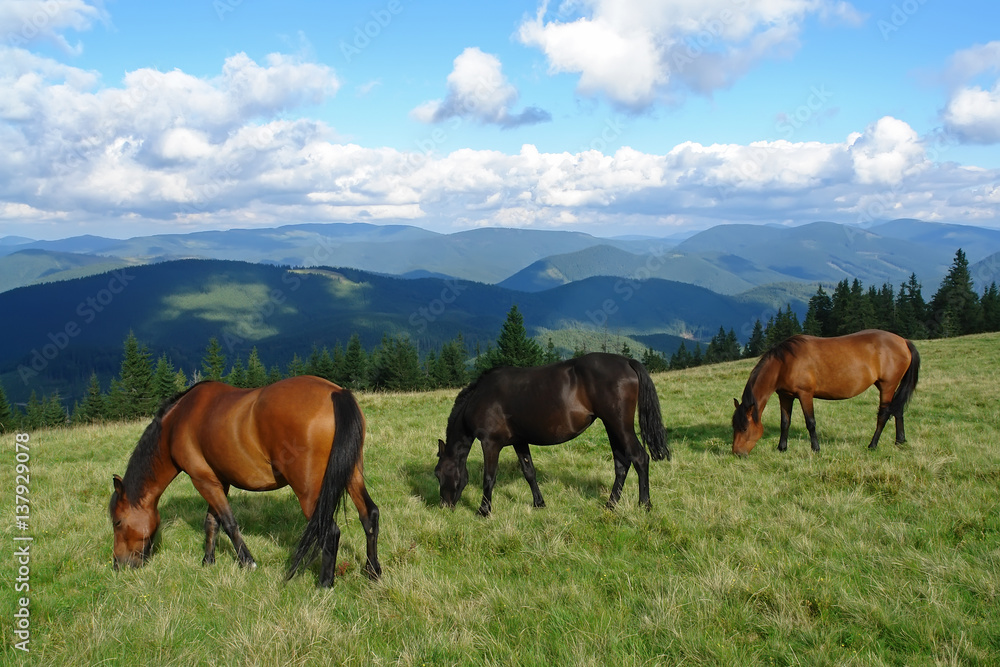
(206, 561)
(374, 572)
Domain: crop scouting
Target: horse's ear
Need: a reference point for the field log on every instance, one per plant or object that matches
(736, 402)
(119, 487)
(440, 447)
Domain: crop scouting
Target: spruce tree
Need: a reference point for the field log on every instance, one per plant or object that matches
(296, 367)
(356, 364)
(514, 348)
(321, 364)
(54, 412)
(164, 380)
(451, 365)
(680, 359)
(274, 375)
(213, 365)
(6, 413)
(397, 365)
(92, 409)
(955, 308)
(817, 322)
(755, 346)
(237, 376)
(136, 381)
(551, 353)
(34, 414)
(990, 303)
(654, 361)
(256, 373)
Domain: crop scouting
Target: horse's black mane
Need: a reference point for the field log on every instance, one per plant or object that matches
(461, 401)
(140, 465)
(778, 352)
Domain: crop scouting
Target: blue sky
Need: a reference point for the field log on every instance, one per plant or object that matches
(610, 117)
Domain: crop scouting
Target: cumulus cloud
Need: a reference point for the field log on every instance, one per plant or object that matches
(187, 152)
(478, 89)
(638, 52)
(972, 113)
(25, 22)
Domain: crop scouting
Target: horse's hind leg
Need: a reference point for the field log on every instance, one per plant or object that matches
(883, 416)
(628, 451)
(900, 431)
(331, 545)
(214, 492)
(212, 532)
(368, 512)
(528, 468)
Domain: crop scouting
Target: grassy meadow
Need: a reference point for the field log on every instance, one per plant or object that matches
(845, 557)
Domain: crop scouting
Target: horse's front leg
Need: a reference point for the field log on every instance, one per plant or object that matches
(214, 492)
(491, 457)
(806, 401)
(212, 532)
(785, 401)
(528, 468)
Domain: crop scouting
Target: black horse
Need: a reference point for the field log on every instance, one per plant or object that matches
(549, 405)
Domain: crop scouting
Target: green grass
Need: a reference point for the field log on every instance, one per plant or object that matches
(846, 557)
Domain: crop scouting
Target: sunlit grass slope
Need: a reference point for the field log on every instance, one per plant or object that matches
(845, 557)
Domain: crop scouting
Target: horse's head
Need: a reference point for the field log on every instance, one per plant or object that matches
(747, 426)
(452, 476)
(134, 528)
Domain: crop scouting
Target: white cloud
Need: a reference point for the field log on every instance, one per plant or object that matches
(25, 22)
(638, 52)
(478, 89)
(167, 148)
(972, 113)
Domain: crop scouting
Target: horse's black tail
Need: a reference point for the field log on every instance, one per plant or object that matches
(650, 420)
(904, 392)
(348, 440)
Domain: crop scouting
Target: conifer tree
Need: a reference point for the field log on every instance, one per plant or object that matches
(551, 353)
(817, 322)
(514, 348)
(654, 361)
(54, 412)
(990, 303)
(755, 346)
(397, 365)
(955, 308)
(451, 365)
(237, 376)
(680, 359)
(274, 375)
(6, 413)
(321, 364)
(256, 373)
(356, 362)
(164, 380)
(213, 365)
(92, 409)
(296, 367)
(34, 414)
(136, 381)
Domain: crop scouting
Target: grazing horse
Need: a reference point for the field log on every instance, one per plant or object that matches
(302, 432)
(549, 405)
(807, 367)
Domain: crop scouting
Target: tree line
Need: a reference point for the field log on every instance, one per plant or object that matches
(141, 385)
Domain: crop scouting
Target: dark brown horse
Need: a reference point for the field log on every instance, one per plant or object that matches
(807, 367)
(549, 405)
(303, 432)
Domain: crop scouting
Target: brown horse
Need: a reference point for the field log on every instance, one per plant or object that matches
(807, 367)
(549, 405)
(302, 432)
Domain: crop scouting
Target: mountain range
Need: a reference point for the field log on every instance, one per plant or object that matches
(288, 289)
